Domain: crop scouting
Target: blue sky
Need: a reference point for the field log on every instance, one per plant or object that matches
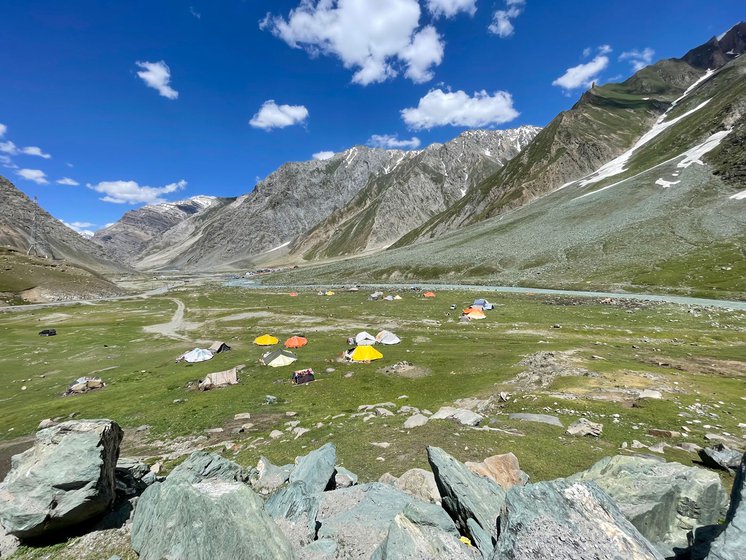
(142, 101)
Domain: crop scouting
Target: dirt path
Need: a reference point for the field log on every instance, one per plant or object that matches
(177, 323)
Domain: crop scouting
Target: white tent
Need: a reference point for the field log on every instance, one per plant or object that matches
(364, 339)
(221, 378)
(196, 355)
(278, 358)
(389, 298)
(387, 337)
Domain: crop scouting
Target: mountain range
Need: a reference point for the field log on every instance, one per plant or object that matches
(639, 183)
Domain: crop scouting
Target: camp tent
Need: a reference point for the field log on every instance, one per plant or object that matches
(397, 296)
(389, 298)
(364, 339)
(265, 340)
(387, 337)
(365, 354)
(472, 308)
(293, 294)
(480, 301)
(302, 376)
(375, 296)
(429, 294)
(196, 355)
(476, 314)
(296, 342)
(483, 304)
(219, 346)
(220, 379)
(278, 358)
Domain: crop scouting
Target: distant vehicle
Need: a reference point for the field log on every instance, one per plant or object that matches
(48, 332)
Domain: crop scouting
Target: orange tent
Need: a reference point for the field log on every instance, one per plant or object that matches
(428, 294)
(476, 314)
(293, 294)
(296, 342)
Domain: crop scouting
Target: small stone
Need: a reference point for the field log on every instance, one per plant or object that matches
(214, 430)
(143, 428)
(383, 412)
(242, 416)
(659, 447)
(274, 434)
(415, 421)
(291, 414)
(270, 399)
(637, 445)
(402, 397)
(690, 447)
(650, 394)
(584, 427)
(300, 431)
(348, 374)
(664, 433)
(330, 370)
(381, 444)
(46, 423)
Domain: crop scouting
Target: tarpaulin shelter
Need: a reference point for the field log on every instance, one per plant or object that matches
(296, 342)
(278, 358)
(219, 346)
(364, 339)
(220, 379)
(302, 376)
(196, 355)
(365, 354)
(387, 337)
(265, 340)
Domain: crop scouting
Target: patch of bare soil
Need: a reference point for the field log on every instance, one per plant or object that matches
(542, 368)
(706, 366)
(405, 369)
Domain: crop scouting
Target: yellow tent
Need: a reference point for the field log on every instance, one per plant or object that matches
(365, 354)
(265, 340)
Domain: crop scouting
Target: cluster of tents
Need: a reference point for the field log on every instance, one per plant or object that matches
(364, 341)
(280, 357)
(376, 296)
(476, 310)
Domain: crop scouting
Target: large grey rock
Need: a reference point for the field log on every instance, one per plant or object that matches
(472, 501)
(423, 531)
(358, 518)
(663, 500)
(720, 457)
(294, 510)
(731, 543)
(316, 469)
(415, 421)
(64, 480)
(205, 511)
(132, 476)
(584, 427)
(420, 484)
(270, 477)
(541, 418)
(565, 520)
(461, 415)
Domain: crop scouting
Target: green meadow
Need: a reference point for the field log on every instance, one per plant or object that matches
(694, 356)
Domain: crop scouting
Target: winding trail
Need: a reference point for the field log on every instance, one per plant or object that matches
(176, 323)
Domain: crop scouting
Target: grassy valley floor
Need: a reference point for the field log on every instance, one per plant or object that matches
(696, 357)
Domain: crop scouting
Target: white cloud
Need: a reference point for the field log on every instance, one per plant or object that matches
(604, 49)
(373, 37)
(129, 192)
(457, 108)
(449, 8)
(158, 76)
(638, 59)
(390, 141)
(502, 20)
(35, 151)
(3, 130)
(194, 12)
(9, 148)
(81, 227)
(5, 161)
(67, 181)
(35, 175)
(582, 75)
(323, 155)
(587, 52)
(271, 115)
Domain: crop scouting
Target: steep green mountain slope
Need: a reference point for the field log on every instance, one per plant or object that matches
(669, 215)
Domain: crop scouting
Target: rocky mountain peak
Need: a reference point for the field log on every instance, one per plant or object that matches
(719, 50)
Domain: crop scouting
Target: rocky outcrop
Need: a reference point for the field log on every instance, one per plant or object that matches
(720, 457)
(663, 500)
(584, 427)
(269, 477)
(423, 531)
(8, 543)
(205, 510)
(472, 501)
(65, 480)
(565, 520)
(731, 543)
(316, 470)
(420, 484)
(460, 415)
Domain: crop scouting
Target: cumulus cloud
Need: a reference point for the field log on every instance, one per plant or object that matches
(271, 115)
(5, 161)
(129, 192)
(323, 155)
(35, 151)
(376, 38)
(502, 20)
(639, 59)
(9, 147)
(457, 108)
(157, 75)
(392, 142)
(449, 8)
(35, 175)
(83, 228)
(67, 181)
(583, 75)
(3, 130)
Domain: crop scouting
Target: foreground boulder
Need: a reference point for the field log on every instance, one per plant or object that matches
(663, 500)
(205, 510)
(503, 469)
(472, 501)
(316, 469)
(269, 477)
(731, 543)
(565, 520)
(8, 543)
(66, 479)
(423, 531)
(720, 457)
(420, 484)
